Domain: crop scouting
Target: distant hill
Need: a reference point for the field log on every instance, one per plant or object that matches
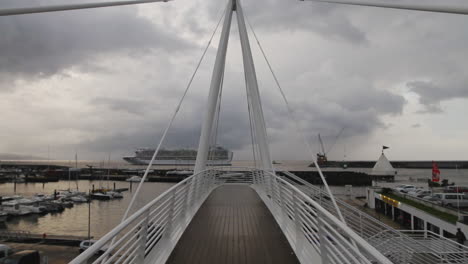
(10, 156)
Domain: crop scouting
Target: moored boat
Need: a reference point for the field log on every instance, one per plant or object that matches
(101, 196)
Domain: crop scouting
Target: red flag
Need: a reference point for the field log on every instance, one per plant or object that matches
(435, 172)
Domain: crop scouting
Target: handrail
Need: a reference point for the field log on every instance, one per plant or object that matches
(335, 221)
(91, 251)
(388, 239)
(438, 236)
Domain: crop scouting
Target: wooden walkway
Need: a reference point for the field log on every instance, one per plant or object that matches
(233, 226)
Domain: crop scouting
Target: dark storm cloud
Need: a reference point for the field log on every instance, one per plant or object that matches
(324, 19)
(431, 94)
(363, 99)
(41, 45)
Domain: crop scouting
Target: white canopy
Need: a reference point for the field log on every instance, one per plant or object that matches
(383, 167)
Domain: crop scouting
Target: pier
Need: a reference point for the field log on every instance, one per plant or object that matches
(26, 237)
(227, 230)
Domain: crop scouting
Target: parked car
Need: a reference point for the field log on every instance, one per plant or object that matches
(456, 189)
(416, 192)
(423, 193)
(405, 188)
(432, 198)
(452, 199)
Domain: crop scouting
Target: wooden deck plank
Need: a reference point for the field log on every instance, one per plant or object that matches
(233, 226)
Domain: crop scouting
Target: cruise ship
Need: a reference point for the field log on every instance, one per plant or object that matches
(218, 156)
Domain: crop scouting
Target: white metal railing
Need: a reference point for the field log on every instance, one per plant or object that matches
(398, 246)
(150, 234)
(313, 232)
(153, 231)
(450, 250)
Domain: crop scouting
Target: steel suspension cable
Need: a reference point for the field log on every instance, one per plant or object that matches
(298, 128)
(55, 8)
(172, 119)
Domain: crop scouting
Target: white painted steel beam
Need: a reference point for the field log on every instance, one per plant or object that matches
(252, 90)
(55, 8)
(440, 8)
(213, 96)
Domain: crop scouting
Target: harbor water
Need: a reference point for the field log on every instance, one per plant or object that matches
(74, 221)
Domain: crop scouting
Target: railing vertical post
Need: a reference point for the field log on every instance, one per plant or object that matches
(298, 225)
(190, 191)
(360, 223)
(186, 208)
(270, 185)
(281, 203)
(205, 181)
(264, 182)
(322, 239)
(143, 237)
(195, 189)
(169, 226)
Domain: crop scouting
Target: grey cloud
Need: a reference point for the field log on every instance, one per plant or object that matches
(132, 106)
(41, 45)
(431, 93)
(417, 125)
(324, 19)
(362, 99)
(233, 130)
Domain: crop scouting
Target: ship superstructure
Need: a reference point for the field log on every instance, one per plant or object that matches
(217, 156)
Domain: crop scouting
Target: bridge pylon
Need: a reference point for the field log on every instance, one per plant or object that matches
(253, 95)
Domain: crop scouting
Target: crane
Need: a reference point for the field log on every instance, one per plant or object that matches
(322, 156)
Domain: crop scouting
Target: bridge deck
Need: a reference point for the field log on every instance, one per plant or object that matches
(233, 226)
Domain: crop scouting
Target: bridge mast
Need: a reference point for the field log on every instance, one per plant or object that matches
(213, 95)
(252, 92)
(252, 87)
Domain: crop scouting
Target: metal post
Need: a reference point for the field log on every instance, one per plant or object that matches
(143, 238)
(213, 96)
(323, 239)
(89, 215)
(298, 226)
(169, 226)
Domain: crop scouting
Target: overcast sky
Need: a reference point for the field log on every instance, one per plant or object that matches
(107, 80)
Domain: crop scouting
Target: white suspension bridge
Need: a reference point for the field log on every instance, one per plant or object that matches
(255, 215)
